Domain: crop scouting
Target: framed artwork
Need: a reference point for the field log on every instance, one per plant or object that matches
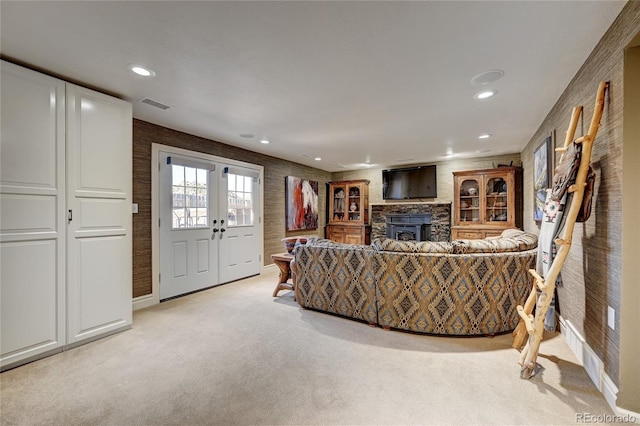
(542, 174)
(301, 208)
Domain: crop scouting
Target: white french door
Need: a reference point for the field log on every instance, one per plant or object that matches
(239, 238)
(209, 231)
(188, 256)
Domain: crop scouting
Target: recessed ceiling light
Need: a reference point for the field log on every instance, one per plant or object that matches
(141, 70)
(485, 94)
(264, 141)
(487, 77)
(484, 136)
(246, 135)
(317, 158)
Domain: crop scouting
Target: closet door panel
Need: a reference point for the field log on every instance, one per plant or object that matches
(25, 214)
(29, 308)
(32, 108)
(101, 294)
(32, 220)
(99, 195)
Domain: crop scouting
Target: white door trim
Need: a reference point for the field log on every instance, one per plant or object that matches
(154, 297)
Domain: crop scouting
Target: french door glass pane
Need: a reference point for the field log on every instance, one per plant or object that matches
(190, 200)
(240, 205)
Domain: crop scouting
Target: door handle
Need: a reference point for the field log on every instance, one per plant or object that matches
(222, 229)
(216, 230)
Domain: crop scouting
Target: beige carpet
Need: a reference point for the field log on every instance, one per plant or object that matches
(235, 355)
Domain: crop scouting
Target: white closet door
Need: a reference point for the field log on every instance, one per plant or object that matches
(99, 174)
(32, 237)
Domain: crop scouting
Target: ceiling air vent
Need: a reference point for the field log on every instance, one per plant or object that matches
(154, 103)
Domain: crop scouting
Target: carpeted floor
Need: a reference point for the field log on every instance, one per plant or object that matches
(235, 355)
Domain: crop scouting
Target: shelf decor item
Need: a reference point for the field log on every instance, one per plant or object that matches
(301, 196)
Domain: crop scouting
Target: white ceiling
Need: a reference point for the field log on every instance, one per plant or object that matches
(351, 82)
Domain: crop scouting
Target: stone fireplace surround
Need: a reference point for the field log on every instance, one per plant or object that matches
(440, 218)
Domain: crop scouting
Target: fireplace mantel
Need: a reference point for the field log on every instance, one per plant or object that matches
(440, 217)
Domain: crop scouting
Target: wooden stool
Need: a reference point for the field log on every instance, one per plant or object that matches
(282, 261)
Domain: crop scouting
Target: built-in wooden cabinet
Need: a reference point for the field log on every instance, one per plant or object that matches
(486, 202)
(349, 212)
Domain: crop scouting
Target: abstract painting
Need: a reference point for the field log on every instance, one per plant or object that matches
(542, 175)
(302, 203)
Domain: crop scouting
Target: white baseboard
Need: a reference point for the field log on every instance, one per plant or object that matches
(594, 368)
(610, 391)
(629, 416)
(149, 299)
(144, 301)
(269, 267)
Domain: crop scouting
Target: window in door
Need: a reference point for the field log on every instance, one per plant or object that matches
(240, 204)
(190, 201)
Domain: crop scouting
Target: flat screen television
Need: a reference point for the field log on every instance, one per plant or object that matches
(412, 182)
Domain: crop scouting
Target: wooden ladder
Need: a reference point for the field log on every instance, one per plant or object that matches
(531, 325)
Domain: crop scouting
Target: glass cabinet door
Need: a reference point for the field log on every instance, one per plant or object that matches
(348, 202)
(496, 199)
(469, 202)
(339, 203)
(355, 203)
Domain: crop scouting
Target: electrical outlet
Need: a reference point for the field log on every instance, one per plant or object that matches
(611, 318)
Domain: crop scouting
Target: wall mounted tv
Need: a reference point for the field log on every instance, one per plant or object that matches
(412, 182)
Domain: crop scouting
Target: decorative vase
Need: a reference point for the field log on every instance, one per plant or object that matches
(353, 207)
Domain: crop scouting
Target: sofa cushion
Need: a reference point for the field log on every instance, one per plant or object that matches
(326, 243)
(527, 241)
(388, 244)
(524, 241)
(314, 240)
(511, 233)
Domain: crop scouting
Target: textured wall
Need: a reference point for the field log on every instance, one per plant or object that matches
(444, 176)
(592, 273)
(275, 170)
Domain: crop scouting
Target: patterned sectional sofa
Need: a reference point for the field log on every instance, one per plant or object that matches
(464, 287)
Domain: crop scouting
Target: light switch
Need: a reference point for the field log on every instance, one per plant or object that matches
(611, 318)
(134, 208)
